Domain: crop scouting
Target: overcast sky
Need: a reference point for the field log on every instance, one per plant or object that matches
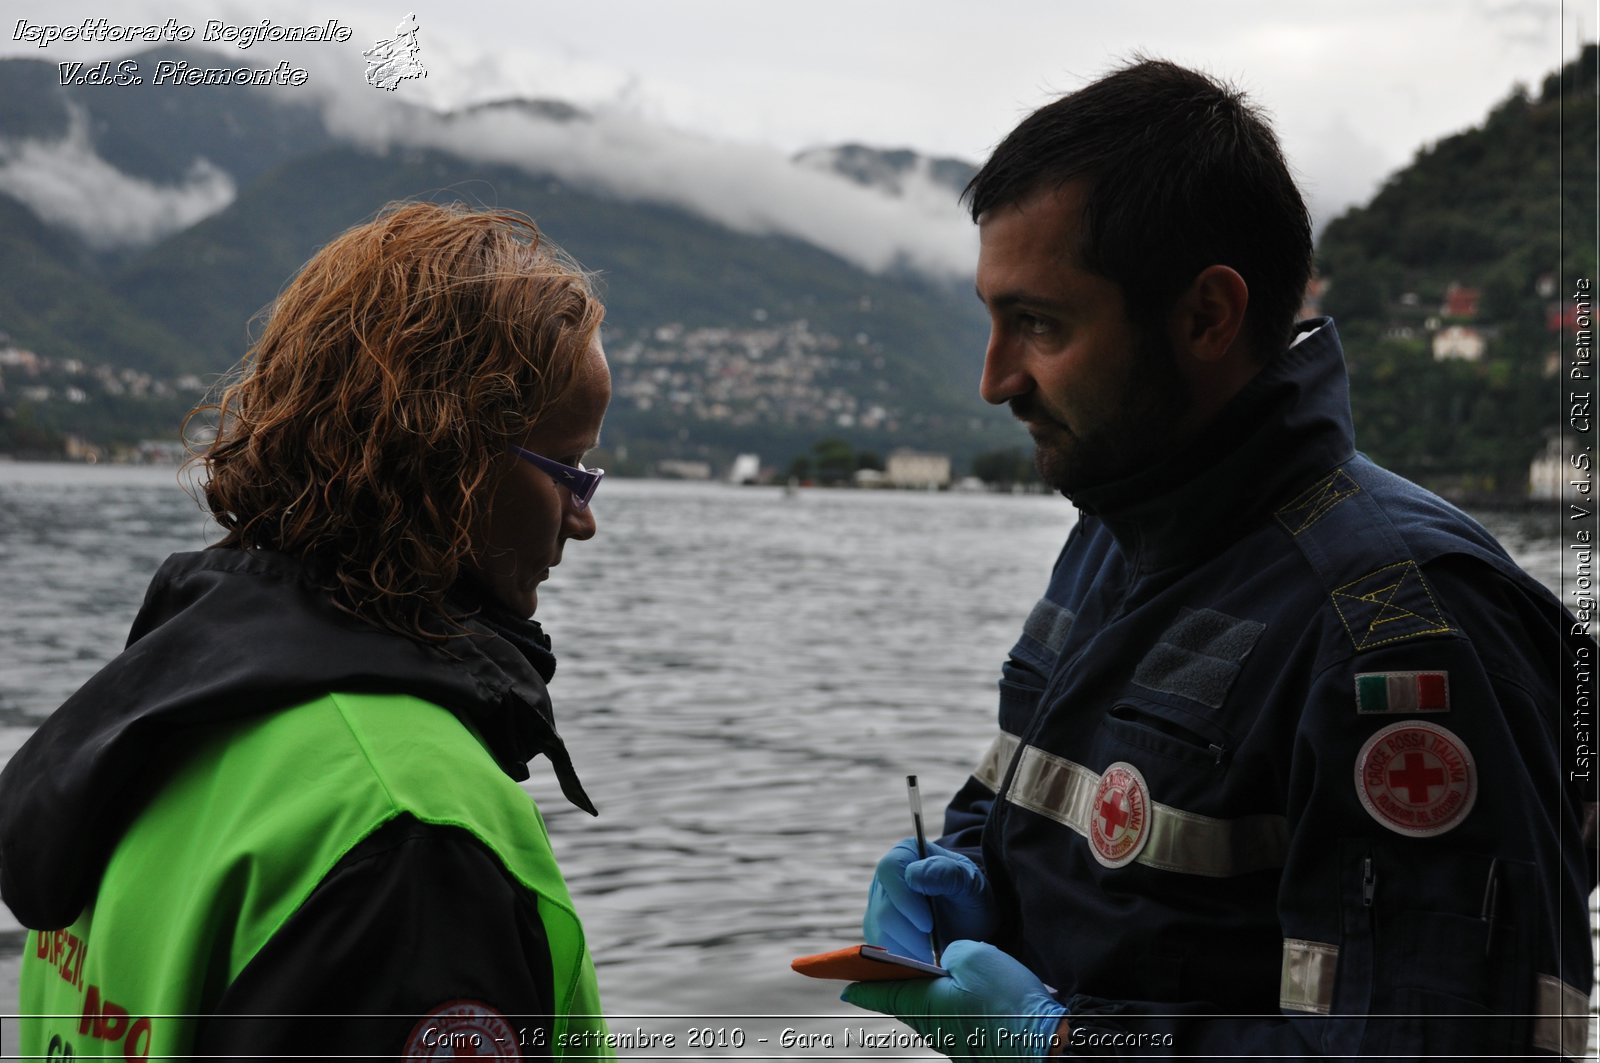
(1355, 86)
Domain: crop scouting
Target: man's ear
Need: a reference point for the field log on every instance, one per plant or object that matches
(1208, 318)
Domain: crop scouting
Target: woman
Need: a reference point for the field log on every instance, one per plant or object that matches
(295, 792)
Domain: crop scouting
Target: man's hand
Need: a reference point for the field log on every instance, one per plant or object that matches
(898, 914)
(989, 1005)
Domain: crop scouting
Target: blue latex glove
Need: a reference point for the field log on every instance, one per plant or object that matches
(989, 1006)
(898, 914)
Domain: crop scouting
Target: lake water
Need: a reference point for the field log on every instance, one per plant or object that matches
(746, 677)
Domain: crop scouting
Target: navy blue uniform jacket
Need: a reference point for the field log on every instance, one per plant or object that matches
(1287, 762)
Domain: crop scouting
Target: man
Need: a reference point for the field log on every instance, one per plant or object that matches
(1281, 766)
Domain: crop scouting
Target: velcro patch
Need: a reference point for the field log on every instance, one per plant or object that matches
(1048, 624)
(1199, 656)
(1389, 692)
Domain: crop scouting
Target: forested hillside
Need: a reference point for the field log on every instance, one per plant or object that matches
(1473, 249)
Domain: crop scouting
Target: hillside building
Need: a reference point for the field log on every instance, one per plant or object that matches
(1460, 342)
(1460, 302)
(913, 468)
(746, 469)
(1550, 471)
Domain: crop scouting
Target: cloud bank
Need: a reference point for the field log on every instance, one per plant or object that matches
(67, 184)
(612, 150)
(747, 188)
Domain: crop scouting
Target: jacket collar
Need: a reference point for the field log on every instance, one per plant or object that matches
(1290, 424)
(225, 635)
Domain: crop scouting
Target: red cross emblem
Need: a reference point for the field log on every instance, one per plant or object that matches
(463, 1029)
(1416, 778)
(1119, 815)
(1114, 813)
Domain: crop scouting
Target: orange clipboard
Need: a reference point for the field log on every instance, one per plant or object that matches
(864, 963)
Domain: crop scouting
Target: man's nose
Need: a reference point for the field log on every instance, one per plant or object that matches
(1004, 374)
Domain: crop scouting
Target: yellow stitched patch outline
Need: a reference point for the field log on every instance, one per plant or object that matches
(1312, 504)
(1389, 605)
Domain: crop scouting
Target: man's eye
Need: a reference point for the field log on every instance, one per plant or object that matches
(1033, 325)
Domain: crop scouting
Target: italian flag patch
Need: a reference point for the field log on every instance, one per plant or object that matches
(1387, 692)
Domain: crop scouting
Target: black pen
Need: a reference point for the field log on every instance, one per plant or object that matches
(915, 797)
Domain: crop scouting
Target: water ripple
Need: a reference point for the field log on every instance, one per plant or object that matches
(745, 677)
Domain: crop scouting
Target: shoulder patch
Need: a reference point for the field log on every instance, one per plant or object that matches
(1310, 505)
(1390, 692)
(1391, 604)
(462, 1028)
(1119, 815)
(1416, 778)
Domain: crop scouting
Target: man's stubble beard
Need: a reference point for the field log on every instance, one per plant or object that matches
(1138, 434)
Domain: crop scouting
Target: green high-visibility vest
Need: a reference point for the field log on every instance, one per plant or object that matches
(231, 846)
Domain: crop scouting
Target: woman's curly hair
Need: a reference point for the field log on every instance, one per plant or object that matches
(392, 373)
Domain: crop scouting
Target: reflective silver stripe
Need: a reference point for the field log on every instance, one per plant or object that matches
(1179, 841)
(1309, 968)
(991, 770)
(1561, 1018)
(1216, 848)
(1560, 1023)
(1054, 787)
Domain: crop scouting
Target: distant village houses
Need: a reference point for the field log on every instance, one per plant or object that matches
(779, 373)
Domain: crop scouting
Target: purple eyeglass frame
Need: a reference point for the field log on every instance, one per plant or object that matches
(580, 483)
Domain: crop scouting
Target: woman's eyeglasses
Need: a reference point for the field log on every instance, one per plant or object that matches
(579, 482)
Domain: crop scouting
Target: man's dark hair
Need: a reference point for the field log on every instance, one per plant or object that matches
(1184, 173)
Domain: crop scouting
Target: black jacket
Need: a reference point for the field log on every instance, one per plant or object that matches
(415, 916)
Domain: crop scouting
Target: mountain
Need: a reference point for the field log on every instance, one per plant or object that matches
(900, 172)
(753, 302)
(1451, 285)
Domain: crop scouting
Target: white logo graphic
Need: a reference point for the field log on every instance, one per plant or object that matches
(1119, 815)
(394, 60)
